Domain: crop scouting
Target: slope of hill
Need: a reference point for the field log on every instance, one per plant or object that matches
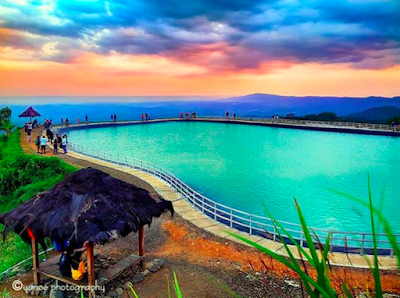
(311, 104)
(378, 114)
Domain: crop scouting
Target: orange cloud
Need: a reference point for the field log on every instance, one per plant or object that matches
(147, 75)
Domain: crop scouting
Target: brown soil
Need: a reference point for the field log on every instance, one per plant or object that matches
(206, 265)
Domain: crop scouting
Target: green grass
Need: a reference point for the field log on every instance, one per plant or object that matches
(22, 176)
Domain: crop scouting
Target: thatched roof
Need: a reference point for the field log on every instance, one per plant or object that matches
(88, 205)
(29, 112)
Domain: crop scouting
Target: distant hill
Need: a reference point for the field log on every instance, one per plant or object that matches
(378, 114)
(277, 104)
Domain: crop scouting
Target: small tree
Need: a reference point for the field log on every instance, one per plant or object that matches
(7, 126)
(5, 114)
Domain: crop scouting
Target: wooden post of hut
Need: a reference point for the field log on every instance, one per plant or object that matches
(141, 246)
(90, 266)
(35, 259)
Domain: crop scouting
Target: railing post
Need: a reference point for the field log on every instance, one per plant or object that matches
(250, 223)
(275, 232)
(362, 244)
(301, 238)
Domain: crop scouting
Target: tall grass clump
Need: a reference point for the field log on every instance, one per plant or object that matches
(22, 176)
(318, 255)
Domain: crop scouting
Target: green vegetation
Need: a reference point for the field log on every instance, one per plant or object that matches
(22, 177)
(5, 123)
(322, 286)
(177, 288)
(325, 116)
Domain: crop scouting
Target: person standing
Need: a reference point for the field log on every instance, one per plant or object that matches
(64, 143)
(66, 121)
(62, 121)
(43, 143)
(37, 143)
(142, 117)
(147, 116)
(86, 119)
(55, 145)
(115, 118)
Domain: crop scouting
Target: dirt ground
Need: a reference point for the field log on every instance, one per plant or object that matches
(206, 265)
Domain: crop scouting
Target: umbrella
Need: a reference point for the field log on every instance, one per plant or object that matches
(88, 205)
(30, 112)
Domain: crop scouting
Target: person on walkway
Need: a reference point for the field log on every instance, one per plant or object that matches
(234, 115)
(78, 121)
(115, 118)
(147, 116)
(59, 140)
(181, 115)
(64, 143)
(66, 121)
(37, 143)
(142, 117)
(112, 117)
(55, 145)
(29, 136)
(86, 119)
(26, 127)
(227, 115)
(43, 143)
(62, 121)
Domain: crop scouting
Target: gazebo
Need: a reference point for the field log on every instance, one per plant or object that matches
(29, 112)
(88, 207)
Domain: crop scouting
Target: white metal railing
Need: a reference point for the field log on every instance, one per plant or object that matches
(341, 241)
(281, 121)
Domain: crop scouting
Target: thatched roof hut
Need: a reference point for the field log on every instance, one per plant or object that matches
(88, 205)
(29, 112)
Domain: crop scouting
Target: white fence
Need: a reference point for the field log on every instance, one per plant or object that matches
(365, 127)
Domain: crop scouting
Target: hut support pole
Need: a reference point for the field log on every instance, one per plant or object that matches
(141, 246)
(35, 259)
(90, 266)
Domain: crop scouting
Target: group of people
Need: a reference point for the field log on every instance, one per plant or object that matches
(188, 115)
(59, 142)
(78, 121)
(227, 115)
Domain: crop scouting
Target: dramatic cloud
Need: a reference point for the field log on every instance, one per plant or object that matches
(201, 39)
(253, 32)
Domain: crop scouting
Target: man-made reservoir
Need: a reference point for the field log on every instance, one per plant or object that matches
(242, 166)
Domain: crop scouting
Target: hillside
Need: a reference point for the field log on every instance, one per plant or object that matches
(377, 114)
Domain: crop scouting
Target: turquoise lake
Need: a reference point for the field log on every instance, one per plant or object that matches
(242, 166)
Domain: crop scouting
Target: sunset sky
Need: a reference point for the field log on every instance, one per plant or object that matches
(201, 47)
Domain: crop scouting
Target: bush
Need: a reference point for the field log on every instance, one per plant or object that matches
(22, 177)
